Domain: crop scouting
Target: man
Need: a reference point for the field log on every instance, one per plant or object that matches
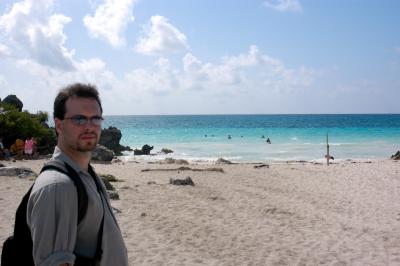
(52, 209)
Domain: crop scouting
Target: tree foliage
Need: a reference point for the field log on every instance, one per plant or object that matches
(22, 125)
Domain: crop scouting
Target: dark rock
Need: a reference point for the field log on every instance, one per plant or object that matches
(223, 161)
(396, 156)
(166, 151)
(182, 182)
(13, 100)
(144, 151)
(110, 138)
(101, 153)
(21, 172)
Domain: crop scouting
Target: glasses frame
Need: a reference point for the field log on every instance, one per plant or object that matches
(81, 120)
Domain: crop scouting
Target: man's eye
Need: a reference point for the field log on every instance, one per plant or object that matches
(79, 120)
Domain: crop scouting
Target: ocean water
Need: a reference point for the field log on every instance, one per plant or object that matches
(293, 137)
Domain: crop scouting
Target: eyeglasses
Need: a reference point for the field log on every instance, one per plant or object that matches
(81, 120)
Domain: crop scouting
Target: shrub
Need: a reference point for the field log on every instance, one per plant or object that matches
(22, 125)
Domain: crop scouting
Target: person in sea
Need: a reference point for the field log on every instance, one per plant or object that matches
(52, 210)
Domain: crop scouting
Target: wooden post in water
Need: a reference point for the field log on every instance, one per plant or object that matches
(327, 150)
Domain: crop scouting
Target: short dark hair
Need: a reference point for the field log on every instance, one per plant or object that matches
(74, 90)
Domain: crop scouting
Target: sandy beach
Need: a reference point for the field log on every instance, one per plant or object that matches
(285, 214)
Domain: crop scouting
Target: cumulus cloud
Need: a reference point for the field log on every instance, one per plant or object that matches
(110, 21)
(252, 70)
(284, 5)
(161, 37)
(29, 25)
(244, 73)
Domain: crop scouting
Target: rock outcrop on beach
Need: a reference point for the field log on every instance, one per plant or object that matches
(13, 100)
(103, 154)
(396, 156)
(144, 151)
(21, 172)
(110, 138)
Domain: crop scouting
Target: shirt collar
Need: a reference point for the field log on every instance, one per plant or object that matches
(62, 156)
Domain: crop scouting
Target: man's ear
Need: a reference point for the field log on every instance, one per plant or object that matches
(58, 124)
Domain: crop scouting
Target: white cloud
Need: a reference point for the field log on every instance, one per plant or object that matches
(162, 85)
(110, 21)
(251, 71)
(284, 5)
(29, 25)
(161, 37)
(4, 50)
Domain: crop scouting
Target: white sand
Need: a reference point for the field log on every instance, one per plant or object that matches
(288, 214)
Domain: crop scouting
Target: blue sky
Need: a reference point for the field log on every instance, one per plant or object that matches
(205, 57)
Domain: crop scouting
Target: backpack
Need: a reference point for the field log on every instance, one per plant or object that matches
(17, 249)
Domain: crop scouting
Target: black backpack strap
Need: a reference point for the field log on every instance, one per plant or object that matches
(66, 169)
(99, 250)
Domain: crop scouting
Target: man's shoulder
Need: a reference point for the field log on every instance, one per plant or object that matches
(52, 177)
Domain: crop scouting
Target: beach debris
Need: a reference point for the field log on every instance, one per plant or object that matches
(107, 184)
(109, 178)
(182, 182)
(222, 161)
(144, 151)
(21, 172)
(115, 210)
(166, 151)
(116, 160)
(261, 165)
(102, 154)
(151, 183)
(113, 195)
(396, 156)
(143, 214)
(175, 161)
(185, 168)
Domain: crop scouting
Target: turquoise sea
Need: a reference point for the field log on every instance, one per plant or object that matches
(293, 137)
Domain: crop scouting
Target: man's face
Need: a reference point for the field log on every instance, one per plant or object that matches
(81, 138)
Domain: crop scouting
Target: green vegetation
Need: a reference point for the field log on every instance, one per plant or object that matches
(22, 125)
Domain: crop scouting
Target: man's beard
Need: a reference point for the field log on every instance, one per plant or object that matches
(87, 145)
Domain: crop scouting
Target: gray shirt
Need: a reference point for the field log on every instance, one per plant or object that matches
(52, 217)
